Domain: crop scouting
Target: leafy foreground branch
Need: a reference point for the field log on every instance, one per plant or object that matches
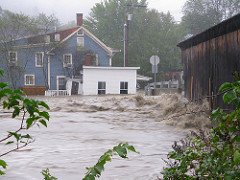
(95, 171)
(120, 150)
(31, 112)
(213, 155)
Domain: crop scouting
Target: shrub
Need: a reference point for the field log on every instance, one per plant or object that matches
(215, 155)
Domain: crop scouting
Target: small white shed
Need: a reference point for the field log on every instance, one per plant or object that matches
(109, 80)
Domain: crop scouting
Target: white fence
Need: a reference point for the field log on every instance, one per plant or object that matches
(57, 93)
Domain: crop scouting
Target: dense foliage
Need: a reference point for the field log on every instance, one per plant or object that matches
(215, 155)
(19, 25)
(202, 14)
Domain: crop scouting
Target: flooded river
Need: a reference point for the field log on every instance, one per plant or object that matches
(75, 139)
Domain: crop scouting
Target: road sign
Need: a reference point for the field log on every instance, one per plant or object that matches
(154, 60)
(154, 68)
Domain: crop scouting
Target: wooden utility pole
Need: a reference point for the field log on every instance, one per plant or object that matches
(126, 39)
(126, 31)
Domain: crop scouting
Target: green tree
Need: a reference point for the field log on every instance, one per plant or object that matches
(150, 32)
(202, 14)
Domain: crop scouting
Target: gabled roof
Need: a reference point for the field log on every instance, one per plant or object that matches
(40, 40)
(68, 33)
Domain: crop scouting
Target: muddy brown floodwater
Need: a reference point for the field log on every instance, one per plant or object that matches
(82, 129)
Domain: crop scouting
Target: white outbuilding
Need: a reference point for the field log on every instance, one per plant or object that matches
(109, 80)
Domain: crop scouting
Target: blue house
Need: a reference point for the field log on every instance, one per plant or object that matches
(53, 62)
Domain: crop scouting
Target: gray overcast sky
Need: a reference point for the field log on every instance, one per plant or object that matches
(66, 10)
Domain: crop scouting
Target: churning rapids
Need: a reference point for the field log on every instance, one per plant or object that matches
(81, 129)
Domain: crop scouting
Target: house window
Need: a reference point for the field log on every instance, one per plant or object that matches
(12, 56)
(101, 87)
(61, 82)
(57, 37)
(80, 41)
(39, 59)
(47, 38)
(80, 32)
(67, 60)
(123, 87)
(29, 79)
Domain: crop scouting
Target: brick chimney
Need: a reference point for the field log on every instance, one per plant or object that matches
(79, 19)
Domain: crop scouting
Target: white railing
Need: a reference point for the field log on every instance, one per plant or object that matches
(57, 93)
(165, 84)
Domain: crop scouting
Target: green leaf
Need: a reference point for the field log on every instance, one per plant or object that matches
(1, 173)
(43, 122)
(229, 97)
(96, 170)
(15, 112)
(16, 135)
(121, 151)
(6, 92)
(131, 148)
(226, 86)
(27, 136)
(47, 176)
(236, 157)
(3, 85)
(3, 164)
(237, 138)
(44, 114)
(105, 157)
(43, 104)
(18, 91)
(9, 142)
(29, 122)
(99, 167)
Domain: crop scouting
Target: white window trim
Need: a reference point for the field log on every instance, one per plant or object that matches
(9, 56)
(105, 89)
(125, 89)
(25, 78)
(58, 77)
(64, 64)
(37, 65)
(83, 42)
(57, 37)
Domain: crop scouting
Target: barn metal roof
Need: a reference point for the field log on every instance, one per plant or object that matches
(227, 26)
